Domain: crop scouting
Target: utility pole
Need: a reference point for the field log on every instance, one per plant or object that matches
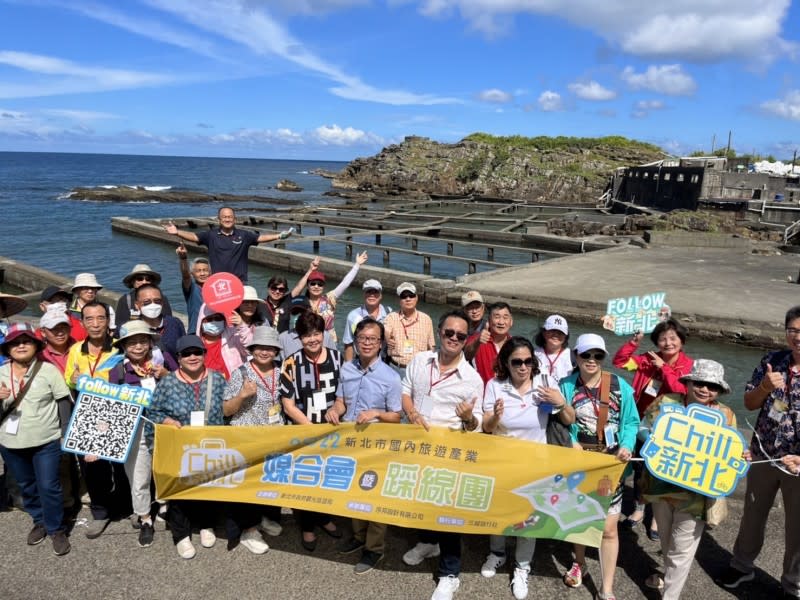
(728, 150)
(713, 141)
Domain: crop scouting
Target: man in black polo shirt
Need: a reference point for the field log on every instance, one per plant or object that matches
(227, 245)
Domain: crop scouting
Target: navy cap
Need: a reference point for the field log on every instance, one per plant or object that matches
(189, 341)
(299, 303)
(52, 290)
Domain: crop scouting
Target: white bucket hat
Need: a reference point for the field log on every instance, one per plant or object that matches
(265, 336)
(85, 280)
(250, 293)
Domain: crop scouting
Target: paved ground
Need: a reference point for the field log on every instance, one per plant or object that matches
(114, 567)
(727, 289)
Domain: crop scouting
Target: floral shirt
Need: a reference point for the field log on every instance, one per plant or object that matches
(263, 409)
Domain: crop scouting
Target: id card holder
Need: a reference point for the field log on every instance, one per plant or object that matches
(653, 387)
(778, 410)
(12, 424)
(197, 418)
(610, 434)
(148, 383)
(408, 347)
(274, 416)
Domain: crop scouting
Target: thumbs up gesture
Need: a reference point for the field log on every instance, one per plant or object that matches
(485, 335)
(249, 389)
(773, 380)
(4, 391)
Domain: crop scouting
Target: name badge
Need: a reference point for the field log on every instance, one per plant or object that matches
(148, 383)
(274, 416)
(778, 410)
(197, 418)
(12, 424)
(408, 347)
(610, 433)
(653, 387)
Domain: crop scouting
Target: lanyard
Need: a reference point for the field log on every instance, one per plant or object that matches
(22, 384)
(271, 390)
(273, 312)
(410, 325)
(195, 385)
(554, 361)
(96, 362)
(590, 395)
(441, 379)
(314, 362)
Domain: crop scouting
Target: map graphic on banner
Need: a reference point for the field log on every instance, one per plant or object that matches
(398, 474)
(694, 449)
(105, 419)
(626, 316)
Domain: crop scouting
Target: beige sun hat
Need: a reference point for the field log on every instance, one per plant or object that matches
(11, 305)
(265, 336)
(132, 328)
(250, 293)
(141, 269)
(85, 280)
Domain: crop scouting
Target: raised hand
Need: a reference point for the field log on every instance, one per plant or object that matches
(171, 229)
(485, 334)
(361, 258)
(181, 251)
(637, 337)
(773, 380)
(656, 359)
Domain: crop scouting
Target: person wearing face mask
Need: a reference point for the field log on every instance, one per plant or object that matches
(290, 340)
(225, 351)
(149, 303)
(126, 305)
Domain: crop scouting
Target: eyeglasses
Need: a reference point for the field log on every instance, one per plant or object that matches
(407, 295)
(713, 387)
(191, 352)
(792, 331)
(276, 288)
(143, 278)
(452, 333)
(152, 301)
(592, 355)
(364, 339)
(518, 362)
(372, 292)
(316, 283)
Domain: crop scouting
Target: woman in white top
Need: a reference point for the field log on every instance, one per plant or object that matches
(552, 348)
(518, 403)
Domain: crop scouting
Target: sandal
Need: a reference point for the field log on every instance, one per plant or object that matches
(633, 522)
(574, 577)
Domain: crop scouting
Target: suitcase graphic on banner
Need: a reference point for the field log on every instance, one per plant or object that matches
(213, 465)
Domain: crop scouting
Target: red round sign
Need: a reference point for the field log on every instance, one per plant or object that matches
(223, 292)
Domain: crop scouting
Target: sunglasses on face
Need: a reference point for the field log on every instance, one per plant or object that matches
(519, 362)
(372, 292)
(452, 333)
(592, 355)
(282, 290)
(192, 352)
(24, 340)
(407, 295)
(316, 283)
(143, 278)
(711, 387)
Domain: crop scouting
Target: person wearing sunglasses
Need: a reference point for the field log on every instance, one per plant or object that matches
(657, 372)
(140, 275)
(606, 421)
(681, 513)
(441, 389)
(500, 322)
(372, 308)
(31, 394)
(191, 396)
(408, 331)
(369, 392)
(149, 302)
(473, 305)
(277, 303)
(85, 290)
(774, 391)
(519, 402)
(324, 303)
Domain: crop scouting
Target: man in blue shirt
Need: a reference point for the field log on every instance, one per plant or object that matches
(369, 391)
(372, 307)
(227, 245)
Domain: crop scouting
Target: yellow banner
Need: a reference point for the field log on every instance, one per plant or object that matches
(397, 474)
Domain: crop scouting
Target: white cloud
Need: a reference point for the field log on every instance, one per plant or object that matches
(591, 91)
(550, 101)
(696, 31)
(67, 77)
(335, 135)
(495, 96)
(787, 107)
(642, 108)
(664, 79)
(243, 23)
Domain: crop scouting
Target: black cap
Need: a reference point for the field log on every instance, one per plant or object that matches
(52, 290)
(299, 303)
(189, 341)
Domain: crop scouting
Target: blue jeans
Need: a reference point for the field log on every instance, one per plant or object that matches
(37, 473)
(449, 548)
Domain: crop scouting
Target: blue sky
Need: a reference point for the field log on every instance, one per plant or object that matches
(336, 79)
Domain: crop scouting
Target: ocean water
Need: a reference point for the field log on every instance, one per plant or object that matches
(42, 226)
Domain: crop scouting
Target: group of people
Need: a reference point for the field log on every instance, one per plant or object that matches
(276, 361)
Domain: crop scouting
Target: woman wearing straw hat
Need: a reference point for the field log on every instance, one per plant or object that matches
(252, 398)
(681, 513)
(84, 291)
(140, 275)
(137, 341)
(250, 313)
(30, 432)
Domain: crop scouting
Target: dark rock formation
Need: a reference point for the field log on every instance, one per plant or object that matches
(140, 194)
(287, 185)
(324, 173)
(574, 170)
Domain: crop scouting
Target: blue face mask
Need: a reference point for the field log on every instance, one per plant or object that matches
(213, 327)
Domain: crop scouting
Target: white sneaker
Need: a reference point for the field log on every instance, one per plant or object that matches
(271, 527)
(252, 540)
(420, 552)
(519, 584)
(186, 548)
(207, 538)
(446, 588)
(493, 562)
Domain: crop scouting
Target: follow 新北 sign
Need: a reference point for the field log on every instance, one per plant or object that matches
(626, 316)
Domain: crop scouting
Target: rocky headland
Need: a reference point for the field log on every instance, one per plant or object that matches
(541, 169)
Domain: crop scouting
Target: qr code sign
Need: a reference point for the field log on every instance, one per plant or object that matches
(102, 426)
